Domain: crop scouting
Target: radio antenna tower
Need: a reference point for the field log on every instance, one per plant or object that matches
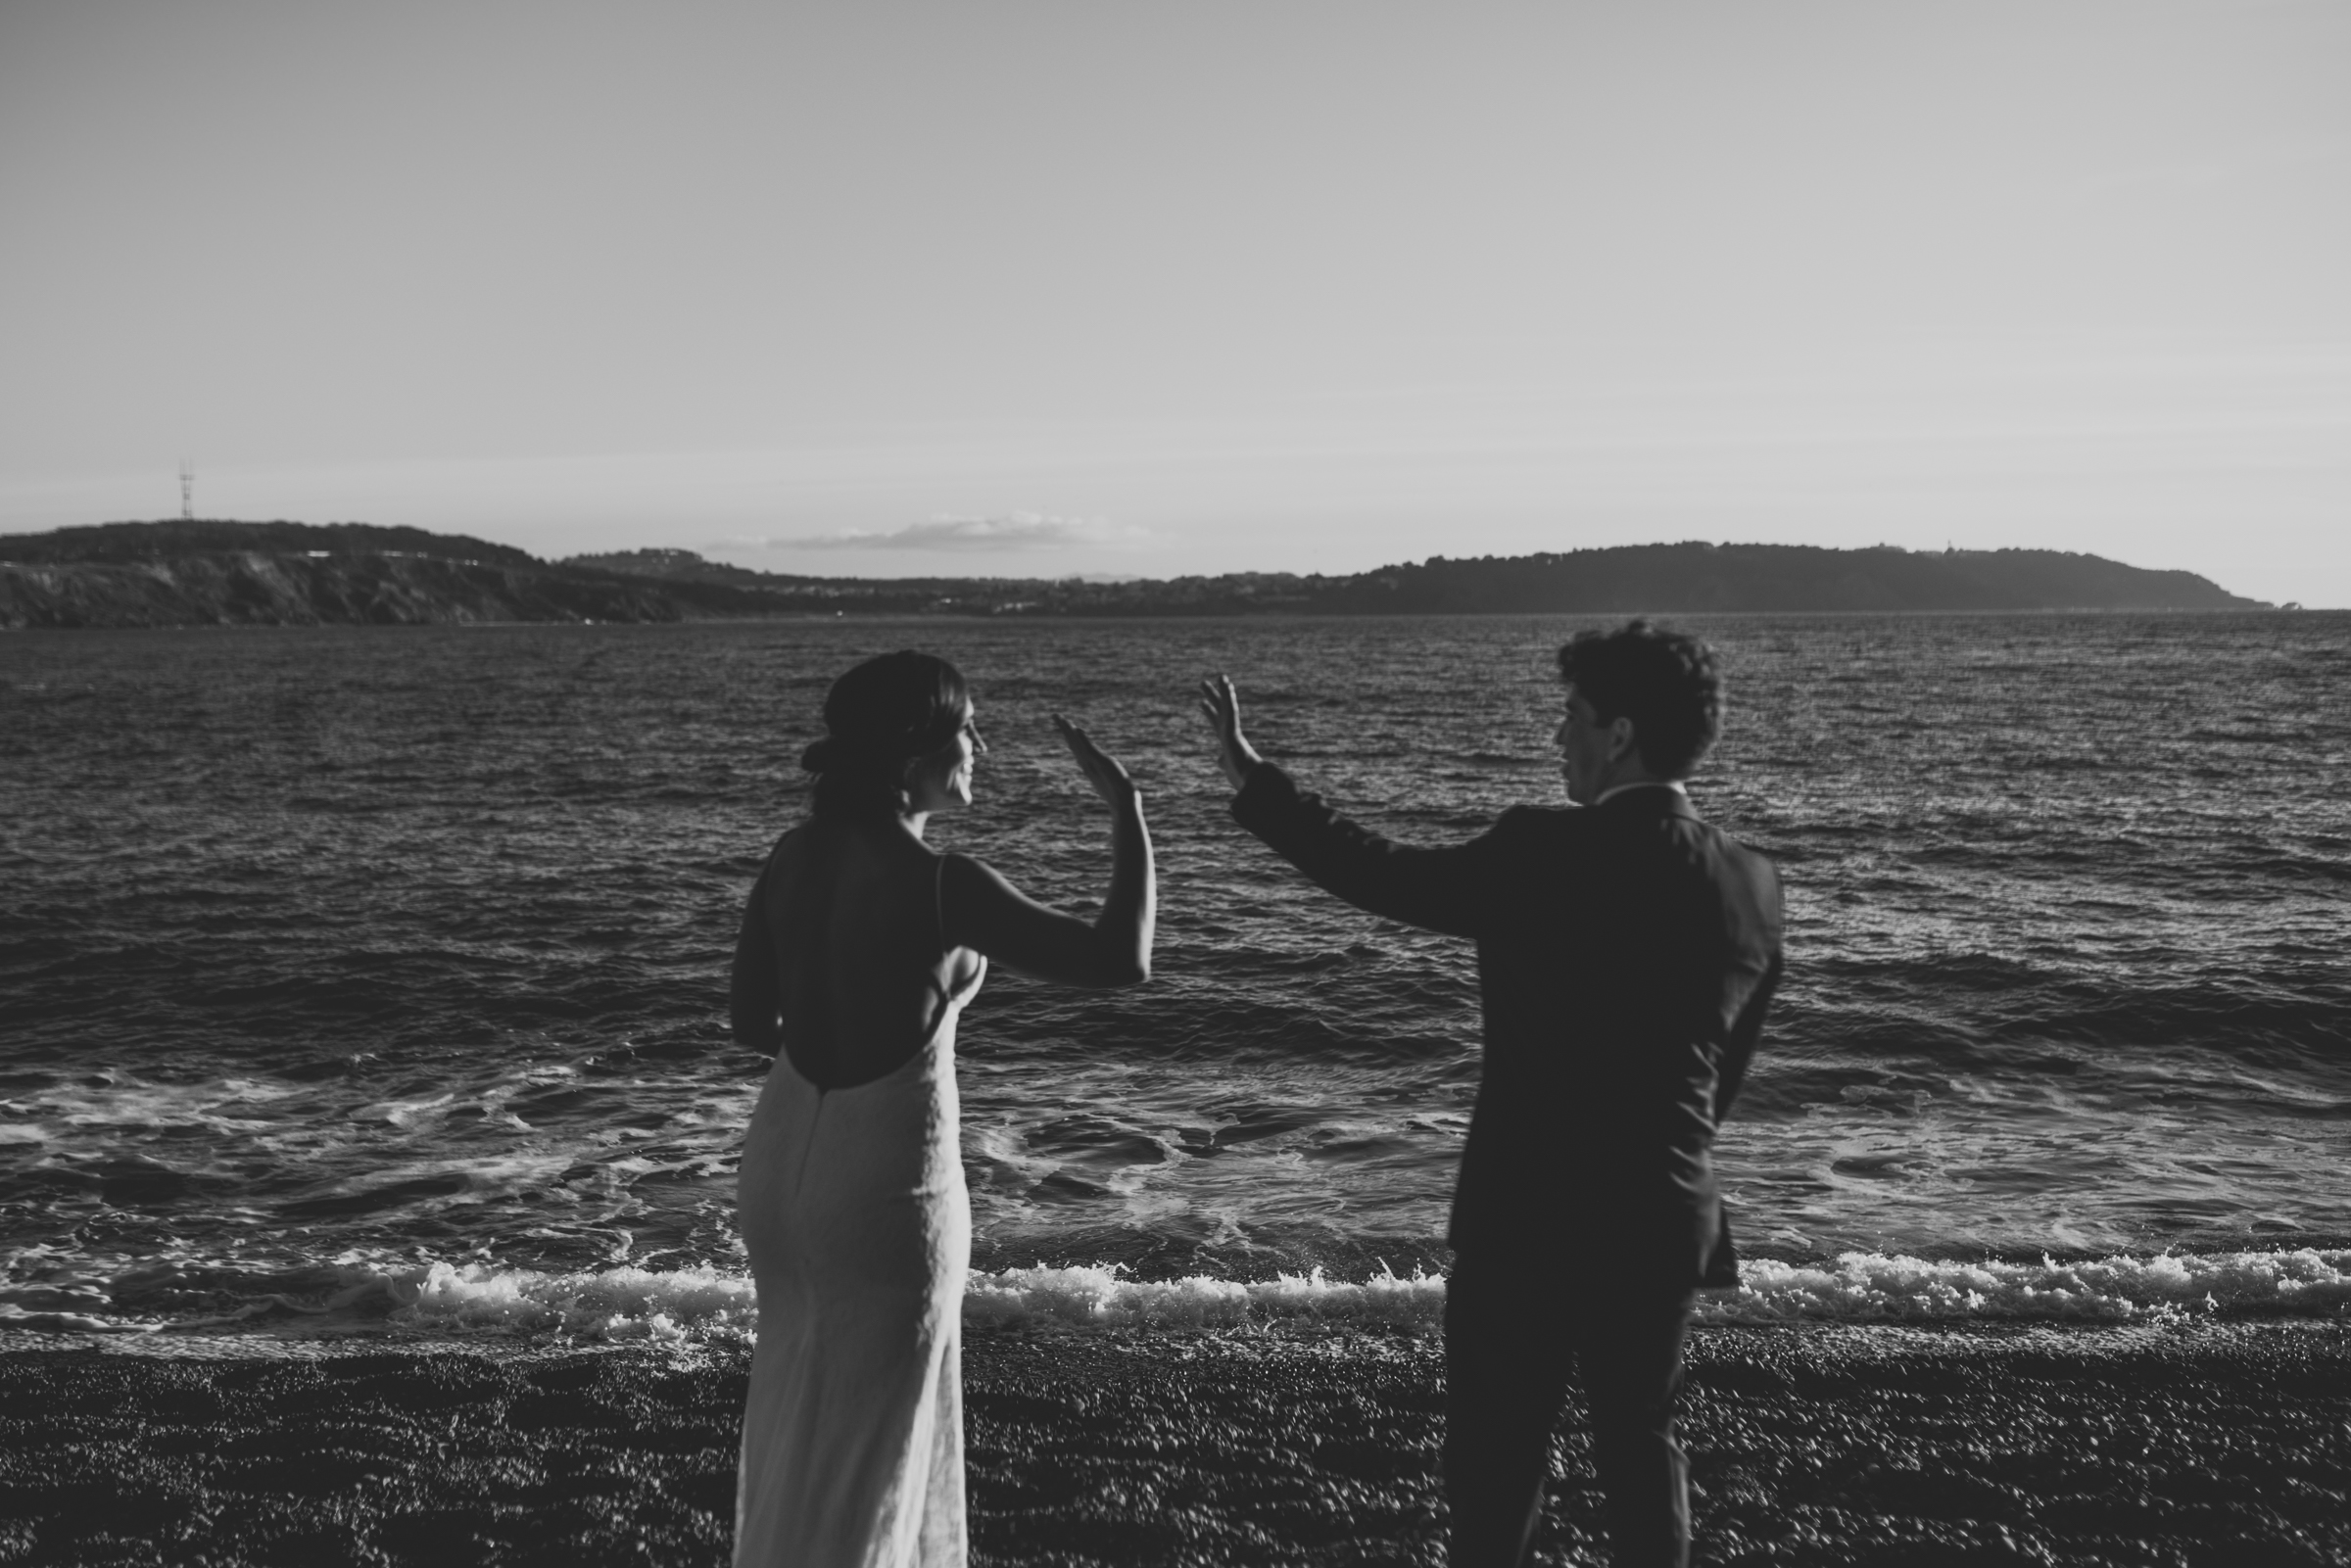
(187, 491)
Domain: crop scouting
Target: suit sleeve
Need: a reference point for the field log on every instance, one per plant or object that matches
(1741, 1048)
(1452, 889)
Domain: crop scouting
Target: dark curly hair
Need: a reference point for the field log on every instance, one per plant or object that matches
(880, 717)
(1664, 681)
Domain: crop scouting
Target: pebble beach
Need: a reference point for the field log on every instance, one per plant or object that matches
(2212, 1443)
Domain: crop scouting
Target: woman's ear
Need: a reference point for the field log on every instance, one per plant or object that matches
(918, 774)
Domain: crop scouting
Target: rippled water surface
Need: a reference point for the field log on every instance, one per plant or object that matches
(326, 951)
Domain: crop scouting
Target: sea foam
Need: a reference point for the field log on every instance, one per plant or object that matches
(716, 1305)
(1871, 1286)
(1102, 1297)
(1856, 1287)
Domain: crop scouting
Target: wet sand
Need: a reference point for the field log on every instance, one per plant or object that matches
(2226, 1444)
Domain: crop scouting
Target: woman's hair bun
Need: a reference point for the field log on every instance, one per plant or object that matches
(880, 716)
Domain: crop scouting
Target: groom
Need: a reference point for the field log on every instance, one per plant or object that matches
(1626, 953)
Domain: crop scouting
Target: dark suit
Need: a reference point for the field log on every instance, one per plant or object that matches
(1626, 954)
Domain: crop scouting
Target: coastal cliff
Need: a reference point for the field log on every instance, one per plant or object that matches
(296, 574)
(1696, 577)
(221, 573)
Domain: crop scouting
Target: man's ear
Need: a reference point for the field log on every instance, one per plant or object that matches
(1620, 737)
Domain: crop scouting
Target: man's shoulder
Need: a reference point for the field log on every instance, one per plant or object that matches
(1733, 847)
(1540, 822)
(1740, 873)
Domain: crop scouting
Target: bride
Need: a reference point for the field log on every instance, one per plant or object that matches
(860, 947)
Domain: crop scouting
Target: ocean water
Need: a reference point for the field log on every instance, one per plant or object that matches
(358, 980)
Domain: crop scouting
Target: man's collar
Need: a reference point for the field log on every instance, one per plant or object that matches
(1674, 785)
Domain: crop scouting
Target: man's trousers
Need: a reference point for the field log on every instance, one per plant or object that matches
(1514, 1327)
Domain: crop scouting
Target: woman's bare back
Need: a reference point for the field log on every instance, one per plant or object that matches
(859, 971)
(857, 936)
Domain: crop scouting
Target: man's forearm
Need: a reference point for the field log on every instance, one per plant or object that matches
(1436, 888)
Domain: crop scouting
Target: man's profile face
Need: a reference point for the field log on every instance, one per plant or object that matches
(1584, 744)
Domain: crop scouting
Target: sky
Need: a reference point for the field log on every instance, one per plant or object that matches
(1039, 289)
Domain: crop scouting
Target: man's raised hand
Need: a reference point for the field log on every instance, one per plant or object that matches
(1223, 706)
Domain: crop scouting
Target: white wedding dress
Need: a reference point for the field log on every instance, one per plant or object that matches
(853, 1206)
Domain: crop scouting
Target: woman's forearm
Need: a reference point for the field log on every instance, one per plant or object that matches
(1131, 911)
(980, 909)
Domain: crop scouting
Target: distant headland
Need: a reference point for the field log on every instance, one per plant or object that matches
(222, 573)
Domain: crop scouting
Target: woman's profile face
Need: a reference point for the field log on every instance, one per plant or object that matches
(943, 781)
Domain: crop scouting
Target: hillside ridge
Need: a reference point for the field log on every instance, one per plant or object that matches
(200, 572)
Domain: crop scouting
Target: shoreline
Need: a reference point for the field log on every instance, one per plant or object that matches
(1823, 1444)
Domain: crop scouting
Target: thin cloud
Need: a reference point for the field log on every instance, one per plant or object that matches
(1012, 531)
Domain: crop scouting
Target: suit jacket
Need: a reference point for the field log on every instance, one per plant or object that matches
(1626, 953)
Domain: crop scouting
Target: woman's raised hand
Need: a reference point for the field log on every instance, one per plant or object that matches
(1102, 770)
(1223, 706)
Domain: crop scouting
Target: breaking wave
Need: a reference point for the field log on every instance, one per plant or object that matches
(707, 1304)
